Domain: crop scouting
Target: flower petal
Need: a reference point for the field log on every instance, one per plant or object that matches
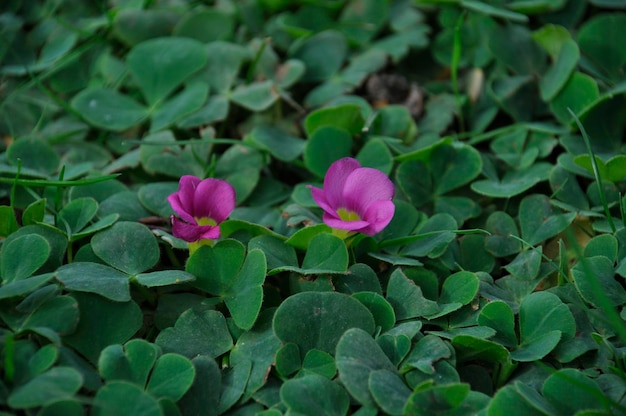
(178, 207)
(378, 216)
(335, 180)
(215, 199)
(338, 223)
(191, 232)
(363, 187)
(319, 196)
(182, 200)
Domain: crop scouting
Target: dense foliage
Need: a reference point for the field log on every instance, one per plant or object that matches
(496, 289)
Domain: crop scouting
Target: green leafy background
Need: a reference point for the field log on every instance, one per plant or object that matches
(497, 288)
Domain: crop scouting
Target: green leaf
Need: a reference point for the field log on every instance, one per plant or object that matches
(381, 309)
(314, 395)
(132, 26)
(407, 298)
(453, 398)
(171, 377)
(319, 363)
(501, 227)
(538, 221)
(316, 320)
(454, 166)
(459, 287)
(23, 256)
(499, 316)
(34, 154)
(389, 391)
(427, 352)
(204, 394)
(24, 286)
(279, 143)
(164, 278)
(526, 264)
(127, 246)
(77, 214)
(597, 40)
(277, 252)
(197, 333)
(580, 91)
(161, 65)
(513, 182)
(541, 312)
(108, 109)
(233, 384)
(595, 280)
(260, 346)
(34, 212)
(217, 267)
(602, 245)
(288, 359)
(8, 221)
(245, 294)
(508, 401)
(358, 356)
(256, 97)
(324, 147)
(125, 205)
(206, 25)
(95, 278)
(102, 323)
(326, 253)
(347, 117)
(470, 348)
(582, 392)
(613, 170)
(177, 107)
(302, 238)
(55, 384)
(124, 398)
(240, 166)
(490, 10)
(559, 73)
(132, 362)
(432, 237)
(375, 154)
(361, 278)
(322, 54)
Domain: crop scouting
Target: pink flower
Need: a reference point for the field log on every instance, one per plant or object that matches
(354, 198)
(201, 205)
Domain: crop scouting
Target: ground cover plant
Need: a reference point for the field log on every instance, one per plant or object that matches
(320, 207)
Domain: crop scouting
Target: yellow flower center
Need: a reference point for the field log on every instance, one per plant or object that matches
(206, 221)
(204, 241)
(349, 216)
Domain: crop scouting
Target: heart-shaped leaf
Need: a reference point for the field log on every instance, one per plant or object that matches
(161, 65)
(109, 109)
(14, 265)
(131, 362)
(171, 377)
(127, 246)
(197, 333)
(102, 323)
(358, 356)
(318, 319)
(314, 395)
(95, 278)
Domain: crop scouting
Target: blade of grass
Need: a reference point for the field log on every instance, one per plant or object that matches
(454, 68)
(596, 171)
(46, 182)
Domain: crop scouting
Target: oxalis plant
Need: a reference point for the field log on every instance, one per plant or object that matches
(280, 207)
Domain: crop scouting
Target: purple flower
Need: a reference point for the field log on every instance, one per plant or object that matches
(201, 205)
(354, 198)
